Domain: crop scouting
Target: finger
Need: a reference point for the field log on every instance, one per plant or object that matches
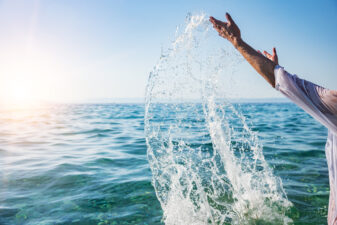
(219, 22)
(218, 28)
(275, 55)
(215, 25)
(229, 18)
(212, 19)
(224, 31)
(267, 54)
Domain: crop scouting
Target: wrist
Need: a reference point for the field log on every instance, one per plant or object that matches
(237, 42)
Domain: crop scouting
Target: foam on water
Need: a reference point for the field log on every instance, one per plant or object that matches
(223, 177)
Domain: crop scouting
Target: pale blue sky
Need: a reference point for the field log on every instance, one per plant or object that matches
(76, 50)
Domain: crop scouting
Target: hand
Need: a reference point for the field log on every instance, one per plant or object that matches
(273, 57)
(228, 30)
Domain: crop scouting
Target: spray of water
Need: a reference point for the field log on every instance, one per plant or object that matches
(208, 166)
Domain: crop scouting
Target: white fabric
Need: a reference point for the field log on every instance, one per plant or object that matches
(321, 104)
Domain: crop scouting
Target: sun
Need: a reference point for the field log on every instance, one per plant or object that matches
(19, 94)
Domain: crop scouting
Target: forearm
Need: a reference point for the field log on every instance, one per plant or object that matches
(260, 63)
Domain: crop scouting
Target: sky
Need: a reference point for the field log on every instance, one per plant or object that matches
(78, 50)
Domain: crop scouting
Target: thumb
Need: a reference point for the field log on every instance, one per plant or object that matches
(229, 18)
(274, 51)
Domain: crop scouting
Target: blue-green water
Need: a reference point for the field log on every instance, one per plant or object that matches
(87, 164)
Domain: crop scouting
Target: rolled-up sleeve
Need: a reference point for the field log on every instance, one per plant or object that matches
(306, 95)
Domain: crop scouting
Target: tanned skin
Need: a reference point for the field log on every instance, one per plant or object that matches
(264, 65)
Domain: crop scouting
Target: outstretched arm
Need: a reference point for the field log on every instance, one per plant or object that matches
(264, 65)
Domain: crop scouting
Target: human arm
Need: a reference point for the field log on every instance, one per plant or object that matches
(262, 64)
(319, 102)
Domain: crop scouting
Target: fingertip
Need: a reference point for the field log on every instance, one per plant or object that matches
(228, 17)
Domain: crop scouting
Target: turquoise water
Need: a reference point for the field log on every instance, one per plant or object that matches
(87, 164)
(186, 157)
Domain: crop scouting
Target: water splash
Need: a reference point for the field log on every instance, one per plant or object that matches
(208, 166)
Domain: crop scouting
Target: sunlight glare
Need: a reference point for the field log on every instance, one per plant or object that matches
(19, 94)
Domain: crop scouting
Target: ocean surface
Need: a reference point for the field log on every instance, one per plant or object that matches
(87, 164)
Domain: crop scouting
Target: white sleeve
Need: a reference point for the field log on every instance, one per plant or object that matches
(305, 94)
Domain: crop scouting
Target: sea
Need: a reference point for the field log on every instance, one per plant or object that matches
(187, 155)
(87, 163)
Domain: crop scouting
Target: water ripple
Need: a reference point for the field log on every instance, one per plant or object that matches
(86, 164)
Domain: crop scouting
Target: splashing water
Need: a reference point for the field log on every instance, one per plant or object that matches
(208, 166)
